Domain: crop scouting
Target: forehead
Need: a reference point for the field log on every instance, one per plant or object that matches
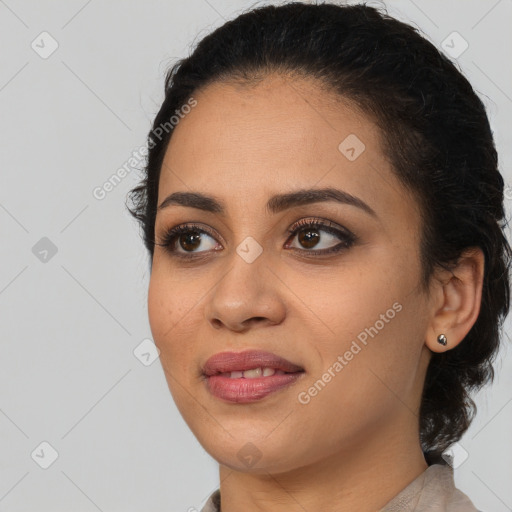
(279, 118)
(243, 142)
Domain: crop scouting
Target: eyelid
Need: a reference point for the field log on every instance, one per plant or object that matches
(171, 234)
(325, 224)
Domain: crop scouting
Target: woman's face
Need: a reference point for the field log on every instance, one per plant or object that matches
(354, 319)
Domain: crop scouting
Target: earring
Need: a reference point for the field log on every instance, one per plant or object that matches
(442, 339)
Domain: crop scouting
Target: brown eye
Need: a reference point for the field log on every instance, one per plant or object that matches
(309, 237)
(311, 234)
(190, 241)
(183, 241)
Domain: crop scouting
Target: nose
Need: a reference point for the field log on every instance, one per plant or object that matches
(246, 295)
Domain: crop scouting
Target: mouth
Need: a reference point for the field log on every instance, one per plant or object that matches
(248, 364)
(249, 376)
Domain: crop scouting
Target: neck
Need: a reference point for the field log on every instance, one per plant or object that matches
(364, 478)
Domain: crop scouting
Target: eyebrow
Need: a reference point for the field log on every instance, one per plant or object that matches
(275, 204)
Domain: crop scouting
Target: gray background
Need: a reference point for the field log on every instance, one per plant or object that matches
(72, 319)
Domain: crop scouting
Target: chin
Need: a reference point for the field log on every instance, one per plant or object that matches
(250, 452)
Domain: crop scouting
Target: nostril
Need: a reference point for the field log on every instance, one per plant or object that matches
(216, 323)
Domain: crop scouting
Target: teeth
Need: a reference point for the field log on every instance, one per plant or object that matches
(251, 374)
(254, 373)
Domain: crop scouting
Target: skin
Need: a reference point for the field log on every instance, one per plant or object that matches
(355, 444)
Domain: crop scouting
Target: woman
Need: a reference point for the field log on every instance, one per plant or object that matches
(329, 273)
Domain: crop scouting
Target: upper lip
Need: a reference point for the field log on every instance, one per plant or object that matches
(225, 362)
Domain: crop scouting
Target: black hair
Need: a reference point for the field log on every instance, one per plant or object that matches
(434, 130)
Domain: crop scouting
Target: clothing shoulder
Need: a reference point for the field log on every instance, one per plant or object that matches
(432, 491)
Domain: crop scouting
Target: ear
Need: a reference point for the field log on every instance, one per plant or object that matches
(456, 296)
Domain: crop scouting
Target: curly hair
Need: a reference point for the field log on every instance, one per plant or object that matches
(435, 133)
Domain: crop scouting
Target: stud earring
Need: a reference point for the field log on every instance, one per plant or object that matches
(442, 340)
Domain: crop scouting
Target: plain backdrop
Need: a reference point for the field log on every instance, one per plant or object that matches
(86, 423)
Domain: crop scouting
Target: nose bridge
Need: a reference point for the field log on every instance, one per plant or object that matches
(247, 275)
(246, 290)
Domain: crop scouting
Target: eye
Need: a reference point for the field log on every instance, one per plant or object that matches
(189, 239)
(308, 232)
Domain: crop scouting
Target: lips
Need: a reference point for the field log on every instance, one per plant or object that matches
(250, 376)
(226, 362)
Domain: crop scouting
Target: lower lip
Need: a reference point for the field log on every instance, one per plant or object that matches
(243, 390)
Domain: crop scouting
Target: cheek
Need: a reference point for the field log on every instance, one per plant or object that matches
(350, 299)
(175, 321)
(160, 310)
(169, 320)
(368, 373)
(166, 313)
(376, 322)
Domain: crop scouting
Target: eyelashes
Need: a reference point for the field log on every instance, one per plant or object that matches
(190, 233)
(188, 238)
